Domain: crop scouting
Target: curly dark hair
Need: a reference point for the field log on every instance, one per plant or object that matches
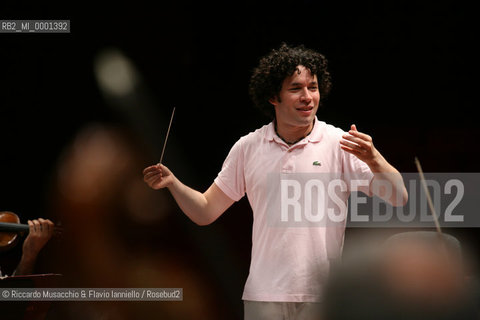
(267, 78)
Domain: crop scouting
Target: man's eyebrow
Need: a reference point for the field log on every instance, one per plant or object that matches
(293, 84)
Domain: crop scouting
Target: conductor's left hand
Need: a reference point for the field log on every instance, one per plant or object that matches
(360, 145)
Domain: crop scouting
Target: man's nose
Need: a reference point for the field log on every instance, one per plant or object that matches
(306, 95)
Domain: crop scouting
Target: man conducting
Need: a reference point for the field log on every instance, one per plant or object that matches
(289, 265)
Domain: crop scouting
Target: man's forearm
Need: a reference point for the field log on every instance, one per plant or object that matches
(192, 202)
(201, 208)
(388, 182)
(26, 265)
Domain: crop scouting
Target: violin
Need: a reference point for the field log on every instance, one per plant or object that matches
(11, 229)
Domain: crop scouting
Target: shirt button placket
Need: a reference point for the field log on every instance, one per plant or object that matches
(289, 165)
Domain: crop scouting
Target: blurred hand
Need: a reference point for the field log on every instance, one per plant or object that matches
(40, 232)
(158, 176)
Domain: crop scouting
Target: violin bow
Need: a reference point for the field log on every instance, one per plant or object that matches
(429, 198)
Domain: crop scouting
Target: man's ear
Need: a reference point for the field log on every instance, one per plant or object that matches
(273, 101)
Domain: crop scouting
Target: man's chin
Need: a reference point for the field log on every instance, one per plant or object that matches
(305, 121)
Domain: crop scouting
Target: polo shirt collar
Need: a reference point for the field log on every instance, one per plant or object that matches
(314, 136)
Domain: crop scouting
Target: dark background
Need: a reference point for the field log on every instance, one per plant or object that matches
(404, 73)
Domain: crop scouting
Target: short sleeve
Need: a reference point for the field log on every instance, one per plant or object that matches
(356, 169)
(231, 179)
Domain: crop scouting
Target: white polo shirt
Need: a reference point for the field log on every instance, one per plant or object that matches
(289, 264)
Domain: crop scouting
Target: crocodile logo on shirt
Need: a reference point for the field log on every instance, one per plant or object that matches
(316, 163)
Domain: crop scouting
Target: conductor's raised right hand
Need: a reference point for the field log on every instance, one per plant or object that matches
(158, 176)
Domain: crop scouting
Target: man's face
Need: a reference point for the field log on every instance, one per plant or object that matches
(298, 99)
